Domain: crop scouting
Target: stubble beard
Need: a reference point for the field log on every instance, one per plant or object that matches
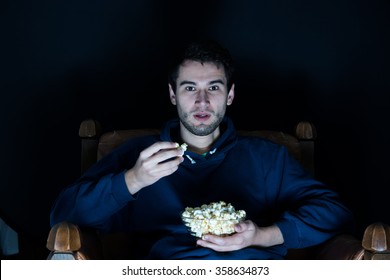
(202, 129)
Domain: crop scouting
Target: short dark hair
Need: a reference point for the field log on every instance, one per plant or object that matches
(204, 51)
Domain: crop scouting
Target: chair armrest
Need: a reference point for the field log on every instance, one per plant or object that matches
(375, 245)
(68, 241)
(341, 247)
(376, 242)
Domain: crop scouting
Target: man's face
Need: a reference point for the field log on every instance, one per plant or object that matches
(201, 96)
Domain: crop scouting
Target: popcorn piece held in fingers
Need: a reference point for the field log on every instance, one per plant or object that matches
(184, 147)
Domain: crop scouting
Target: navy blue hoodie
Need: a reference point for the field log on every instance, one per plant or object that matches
(251, 173)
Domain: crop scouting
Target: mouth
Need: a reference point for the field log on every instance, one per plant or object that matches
(202, 117)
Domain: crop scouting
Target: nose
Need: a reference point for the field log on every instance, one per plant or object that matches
(202, 97)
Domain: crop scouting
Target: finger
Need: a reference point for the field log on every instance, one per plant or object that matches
(164, 156)
(167, 168)
(164, 159)
(214, 239)
(217, 247)
(156, 147)
(242, 226)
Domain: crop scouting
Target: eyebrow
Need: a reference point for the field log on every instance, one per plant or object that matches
(218, 81)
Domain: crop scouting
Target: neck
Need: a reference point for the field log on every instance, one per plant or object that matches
(197, 150)
(199, 144)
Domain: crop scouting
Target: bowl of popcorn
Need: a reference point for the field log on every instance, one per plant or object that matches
(217, 218)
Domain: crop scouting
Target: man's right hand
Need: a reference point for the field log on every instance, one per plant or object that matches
(159, 160)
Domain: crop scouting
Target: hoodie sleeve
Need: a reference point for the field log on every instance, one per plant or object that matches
(91, 203)
(312, 212)
(95, 199)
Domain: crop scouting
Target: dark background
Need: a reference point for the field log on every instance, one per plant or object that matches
(64, 61)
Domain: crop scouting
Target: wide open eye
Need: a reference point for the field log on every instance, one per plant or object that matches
(190, 88)
(214, 88)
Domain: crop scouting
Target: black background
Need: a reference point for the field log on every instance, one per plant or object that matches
(64, 61)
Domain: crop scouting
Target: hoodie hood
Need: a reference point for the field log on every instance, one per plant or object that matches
(226, 140)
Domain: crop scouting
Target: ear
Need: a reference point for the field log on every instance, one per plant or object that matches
(230, 96)
(172, 95)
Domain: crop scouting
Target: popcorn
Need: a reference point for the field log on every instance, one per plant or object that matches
(216, 218)
(183, 146)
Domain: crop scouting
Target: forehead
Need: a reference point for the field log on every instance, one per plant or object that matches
(194, 70)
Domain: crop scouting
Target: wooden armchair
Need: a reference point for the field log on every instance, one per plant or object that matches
(68, 241)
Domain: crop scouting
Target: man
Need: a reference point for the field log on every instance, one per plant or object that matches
(144, 186)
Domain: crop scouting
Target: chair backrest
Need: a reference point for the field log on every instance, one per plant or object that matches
(110, 140)
(96, 145)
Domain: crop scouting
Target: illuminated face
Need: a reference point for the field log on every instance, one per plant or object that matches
(201, 96)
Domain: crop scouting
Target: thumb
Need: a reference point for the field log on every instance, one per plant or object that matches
(240, 227)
